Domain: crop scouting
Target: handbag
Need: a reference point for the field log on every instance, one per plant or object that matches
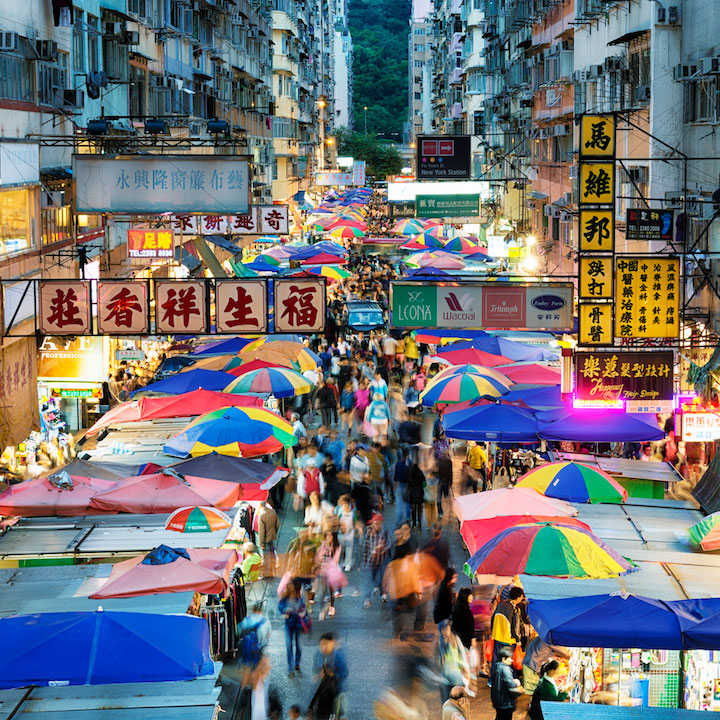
(306, 623)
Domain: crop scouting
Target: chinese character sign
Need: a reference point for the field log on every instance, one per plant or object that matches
(273, 219)
(333, 178)
(122, 307)
(624, 376)
(597, 136)
(299, 305)
(700, 427)
(18, 389)
(596, 275)
(597, 231)
(647, 293)
(646, 224)
(595, 323)
(241, 306)
(161, 183)
(597, 183)
(185, 224)
(65, 307)
(180, 307)
(150, 244)
(244, 224)
(213, 225)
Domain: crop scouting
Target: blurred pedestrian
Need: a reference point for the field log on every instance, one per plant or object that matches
(445, 597)
(268, 526)
(455, 706)
(505, 687)
(256, 699)
(376, 551)
(292, 608)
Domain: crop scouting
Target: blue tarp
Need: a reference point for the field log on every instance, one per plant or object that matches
(222, 242)
(223, 347)
(162, 555)
(492, 423)
(95, 648)
(625, 621)
(188, 381)
(542, 397)
(598, 426)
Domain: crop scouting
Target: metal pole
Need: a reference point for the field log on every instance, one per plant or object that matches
(365, 109)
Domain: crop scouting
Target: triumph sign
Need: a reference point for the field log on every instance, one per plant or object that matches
(510, 306)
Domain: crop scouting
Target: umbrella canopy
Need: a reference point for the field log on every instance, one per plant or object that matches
(329, 271)
(246, 432)
(187, 382)
(95, 469)
(443, 335)
(222, 347)
(442, 262)
(59, 494)
(280, 382)
(457, 387)
(704, 535)
(264, 355)
(539, 398)
(175, 363)
(599, 426)
(210, 362)
(531, 374)
(187, 404)
(346, 232)
(97, 648)
(324, 258)
(279, 252)
(488, 372)
(574, 482)
(261, 265)
(238, 367)
(509, 501)
(475, 357)
(516, 351)
(197, 519)
(232, 469)
(407, 226)
(326, 246)
(549, 549)
(428, 273)
(203, 571)
(432, 237)
(299, 354)
(492, 423)
(464, 244)
(476, 533)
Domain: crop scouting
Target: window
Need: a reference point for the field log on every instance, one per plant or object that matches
(478, 123)
(418, 96)
(15, 78)
(51, 83)
(701, 100)
(115, 59)
(141, 8)
(93, 44)
(138, 83)
(419, 48)
(419, 63)
(78, 42)
(14, 220)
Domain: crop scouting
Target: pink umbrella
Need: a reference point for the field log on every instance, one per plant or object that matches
(442, 262)
(531, 374)
(509, 501)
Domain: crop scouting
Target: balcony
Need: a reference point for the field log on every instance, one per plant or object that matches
(284, 63)
(456, 111)
(456, 77)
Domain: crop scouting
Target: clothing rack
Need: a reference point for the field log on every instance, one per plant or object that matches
(223, 615)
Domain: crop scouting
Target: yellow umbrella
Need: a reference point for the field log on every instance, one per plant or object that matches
(301, 356)
(216, 362)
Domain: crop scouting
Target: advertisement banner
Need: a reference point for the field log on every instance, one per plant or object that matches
(18, 389)
(597, 183)
(273, 219)
(122, 307)
(596, 274)
(597, 136)
(334, 177)
(595, 323)
(541, 306)
(700, 427)
(358, 168)
(647, 297)
(150, 244)
(624, 376)
(241, 306)
(299, 305)
(161, 183)
(443, 157)
(180, 307)
(64, 307)
(597, 230)
(80, 358)
(649, 225)
(438, 206)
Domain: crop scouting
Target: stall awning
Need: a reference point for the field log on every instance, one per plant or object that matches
(222, 242)
(575, 711)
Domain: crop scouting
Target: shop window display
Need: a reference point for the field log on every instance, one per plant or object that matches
(14, 221)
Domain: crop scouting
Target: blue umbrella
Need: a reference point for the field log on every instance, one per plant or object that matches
(261, 266)
(428, 272)
(598, 426)
(542, 397)
(223, 347)
(492, 423)
(516, 351)
(326, 246)
(187, 382)
(175, 364)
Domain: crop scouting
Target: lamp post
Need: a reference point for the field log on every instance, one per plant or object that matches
(365, 109)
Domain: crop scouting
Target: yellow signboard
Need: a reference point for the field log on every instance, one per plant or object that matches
(597, 183)
(597, 231)
(647, 292)
(596, 274)
(597, 136)
(595, 324)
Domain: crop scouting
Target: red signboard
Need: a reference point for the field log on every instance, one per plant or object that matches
(180, 307)
(503, 307)
(300, 305)
(149, 244)
(429, 147)
(241, 306)
(446, 147)
(122, 307)
(65, 307)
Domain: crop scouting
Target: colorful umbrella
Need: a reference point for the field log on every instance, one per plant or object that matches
(441, 262)
(469, 368)
(265, 355)
(197, 519)
(705, 535)
(237, 367)
(209, 362)
(549, 549)
(280, 382)
(531, 374)
(329, 271)
(432, 237)
(459, 387)
(509, 501)
(407, 226)
(413, 244)
(574, 482)
(246, 432)
(463, 244)
(346, 232)
(473, 356)
(496, 422)
(298, 353)
(323, 258)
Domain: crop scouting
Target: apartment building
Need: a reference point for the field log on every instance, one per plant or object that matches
(420, 54)
(342, 67)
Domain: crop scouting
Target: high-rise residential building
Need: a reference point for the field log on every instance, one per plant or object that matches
(343, 67)
(419, 68)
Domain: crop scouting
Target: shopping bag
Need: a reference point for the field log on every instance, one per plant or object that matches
(518, 656)
(489, 649)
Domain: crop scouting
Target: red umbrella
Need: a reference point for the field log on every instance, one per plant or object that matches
(325, 259)
(249, 367)
(166, 491)
(531, 374)
(206, 572)
(476, 533)
(186, 404)
(473, 356)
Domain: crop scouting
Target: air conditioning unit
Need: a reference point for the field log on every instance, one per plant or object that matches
(637, 175)
(572, 174)
(52, 198)
(595, 71)
(46, 50)
(195, 129)
(130, 37)
(684, 72)
(160, 81)
(9, 41)
(562, 130)
(580, 76)
(548, 211)
(613, 63)
(673, 200)
(552, 97)
(642, 93)
(557, 212)
(73, 98)
(114, 29)
(566, 217)
(710, 65)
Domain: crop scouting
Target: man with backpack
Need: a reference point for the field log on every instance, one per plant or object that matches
(252, 637)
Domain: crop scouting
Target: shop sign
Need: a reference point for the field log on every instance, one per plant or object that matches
(649, 225)
(597, 183)
(76, 392)
(647, 297)
(598, 404)
(64, 307)
(241, 306)
(441, 206)
(19, 163)
(273, 219)
(61, 358)
(334, 177)
(299, 305)
(134, 355)
(443, 157)
(597, 230)
(688, 356)
(122, 307)
(482, 305)
(180, 307)
(18, 391)
(595, 326)
(596, 277)
(624, 376)
(649, 406)
(213, 225)
(150, 244)
(161, 183)
(700, 427)
(597, 136)
(358, 168)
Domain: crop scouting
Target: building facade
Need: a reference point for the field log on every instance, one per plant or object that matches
(420, 55)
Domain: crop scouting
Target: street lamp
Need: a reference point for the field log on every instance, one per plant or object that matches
(365, 109)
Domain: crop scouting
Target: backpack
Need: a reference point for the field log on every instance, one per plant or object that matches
(250, 650)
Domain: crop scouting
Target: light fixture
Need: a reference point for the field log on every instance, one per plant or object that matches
(218, 127)
(153, 126)
(99, 126)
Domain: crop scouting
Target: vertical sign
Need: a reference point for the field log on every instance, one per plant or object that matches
(180, 307)
(65, 307)
(241, 306)
(299, 305)
(122, 307)
(358, 168)
(595, 323)
(596, 277)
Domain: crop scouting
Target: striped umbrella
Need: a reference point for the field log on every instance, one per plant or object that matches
(280, 382)
(574, 482)
(431, 238)
(407, 226)
(460, 387)
(464, 244)
(474, 369)
(267, 356)
(301, 356)
(329, 271)
(197, 519)
(346, 232)
(705, 535)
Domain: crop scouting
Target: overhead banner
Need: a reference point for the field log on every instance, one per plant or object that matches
(595, 326)
(510, 306)
(443, 157)
(299, 305)
(64, 307)
(78, 358)
(439, 206)
(180, 306)
(647, 297)
(273, 219)
(161, 183)
(18, 389)
(642, 224)
(123, 307)
(334, 177)
(241, 306)
(624, 376)
(150, 244)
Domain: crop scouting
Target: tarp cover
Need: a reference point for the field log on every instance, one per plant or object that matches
(187, 382)
(232, 469)
(599, 426)
(492, 423)
(95, 648)
(509, 501)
